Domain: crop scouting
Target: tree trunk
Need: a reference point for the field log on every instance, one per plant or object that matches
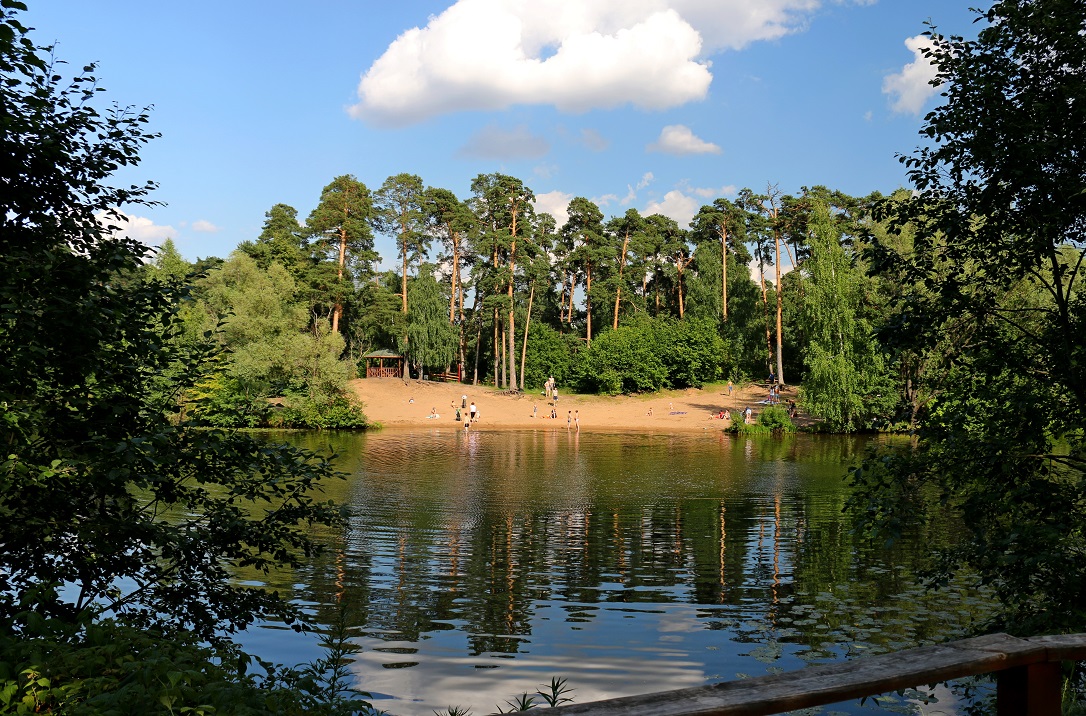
(765, 313)
(478, 332)
(403, 279)
(527, 323)
(337, 314)
(497, 347)
(724, 271)
(780, 304)
(512, 384)
(588, 299)
(680, 268)
(572, 288)
(621, 265)
(455, 275)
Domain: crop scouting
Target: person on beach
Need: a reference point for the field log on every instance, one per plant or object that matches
(472, 411)
(577, 419)
(731, 386)
(554, 414)
(464, 402)
(554, 394)
(569, 419)
(535, 410)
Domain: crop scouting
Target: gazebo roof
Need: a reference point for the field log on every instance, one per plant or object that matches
(382, 353)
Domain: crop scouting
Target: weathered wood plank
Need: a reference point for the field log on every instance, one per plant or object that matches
(1063, 647)
(840, 681)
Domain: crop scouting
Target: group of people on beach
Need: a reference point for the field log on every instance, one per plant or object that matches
(472, 412)
(550, 389)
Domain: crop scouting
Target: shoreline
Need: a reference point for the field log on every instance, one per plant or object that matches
(394, 403)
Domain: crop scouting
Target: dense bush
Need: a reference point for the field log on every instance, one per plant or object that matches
(549, 354)
(621, 361)
(651, 354)
(105, 667)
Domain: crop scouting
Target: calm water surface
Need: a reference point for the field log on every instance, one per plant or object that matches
(479, 565)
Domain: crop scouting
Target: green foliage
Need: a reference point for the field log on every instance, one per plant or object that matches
(649, 355)
(107, 667)
(275, 351)
(620, 361)
(847, 383)
(997, 315)
(775, 418)
(549, 355)
(554, 695)
(102, 489)
(431, 340)
(692, 351)
(772, 419)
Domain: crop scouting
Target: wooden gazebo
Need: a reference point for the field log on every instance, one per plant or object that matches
(381, 370)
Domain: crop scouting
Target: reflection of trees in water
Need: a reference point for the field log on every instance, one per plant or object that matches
(464, 534)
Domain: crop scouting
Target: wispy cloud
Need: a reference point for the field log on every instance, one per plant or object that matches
(204, 226)
(493, 142)
(594, 141)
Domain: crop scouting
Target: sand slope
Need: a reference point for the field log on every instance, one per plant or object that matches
(396, 403)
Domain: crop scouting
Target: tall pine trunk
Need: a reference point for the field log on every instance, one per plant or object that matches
(621, 266)
(337, 313)
(724, 271)
(780, 304)
(588, 299)
(527, 323)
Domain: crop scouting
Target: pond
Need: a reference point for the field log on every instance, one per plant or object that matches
(478, 565)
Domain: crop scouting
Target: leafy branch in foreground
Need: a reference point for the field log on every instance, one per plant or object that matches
(108, 501)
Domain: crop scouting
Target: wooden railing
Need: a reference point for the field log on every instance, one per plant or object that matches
(1028, 681)
(382, 372)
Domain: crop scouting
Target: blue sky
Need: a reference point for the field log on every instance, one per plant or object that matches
(660, 105)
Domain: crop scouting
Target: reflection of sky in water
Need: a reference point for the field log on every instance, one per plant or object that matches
(483, 564)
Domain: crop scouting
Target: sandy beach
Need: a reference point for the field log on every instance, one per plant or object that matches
(392, 402)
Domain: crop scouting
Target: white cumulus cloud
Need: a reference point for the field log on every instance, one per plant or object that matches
(492, 54)
(911, 88)
(679, 140)
(576, 56)
(554, 203)
(675, 205)
(139, 228)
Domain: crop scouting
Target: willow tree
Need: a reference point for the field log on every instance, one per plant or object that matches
(844, 365)
(429, 339)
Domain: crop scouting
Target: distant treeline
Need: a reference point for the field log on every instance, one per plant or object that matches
(489, 288)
